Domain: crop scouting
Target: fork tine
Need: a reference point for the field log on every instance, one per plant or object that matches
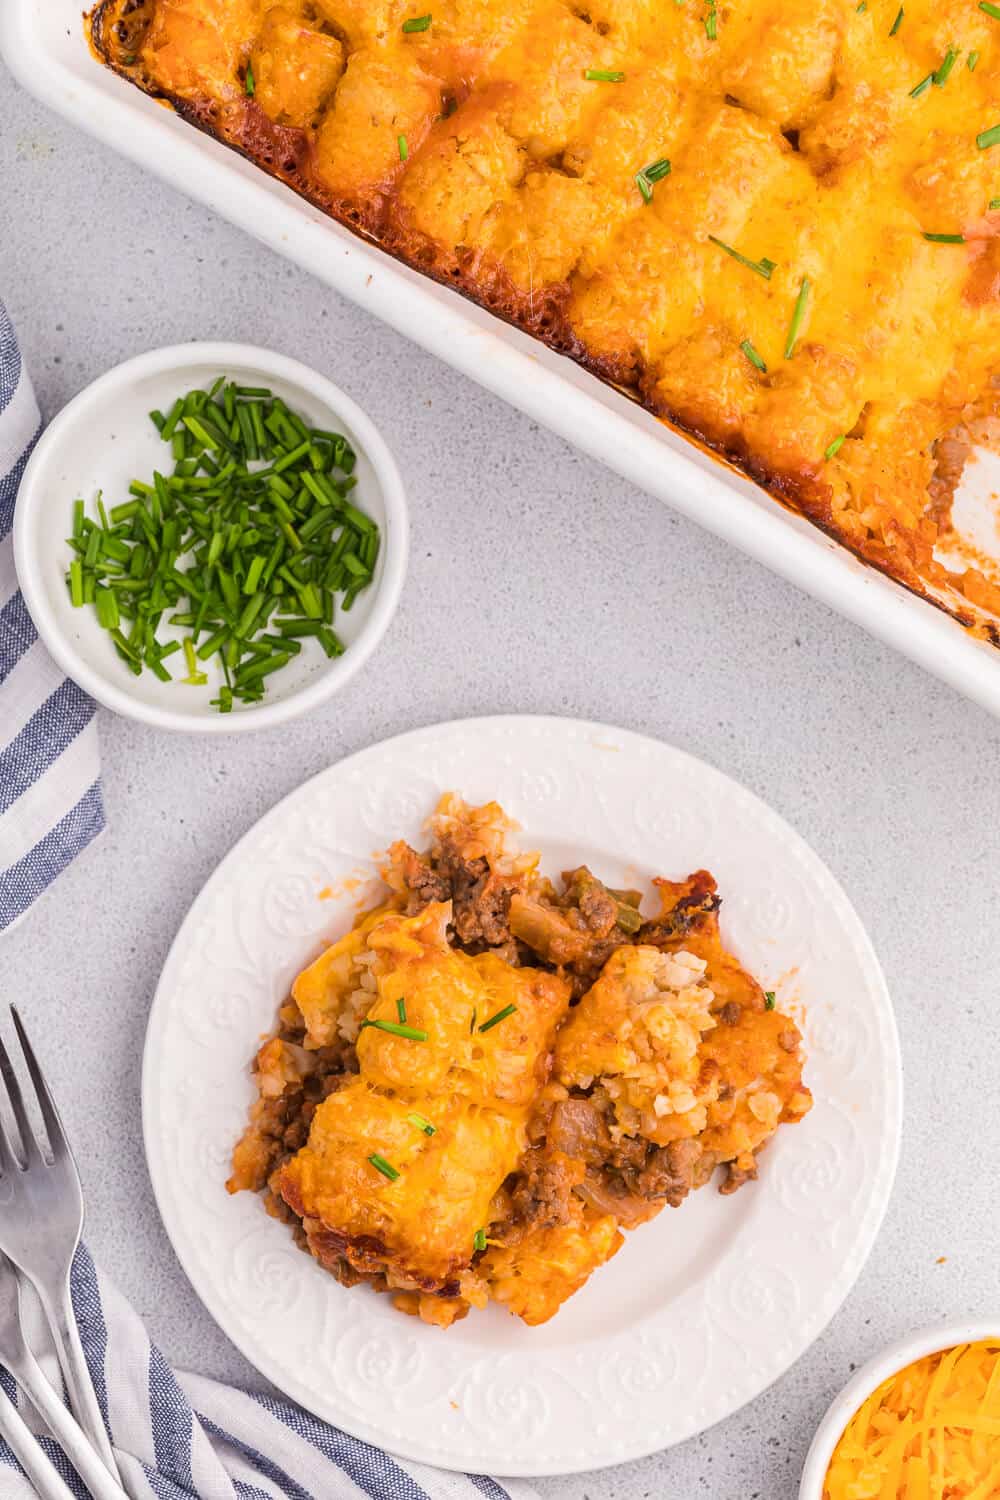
(16, 1100)
(9, 1161)
(8, 1158)
(42, 1095)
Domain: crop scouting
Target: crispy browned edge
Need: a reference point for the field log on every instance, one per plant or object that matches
(283, 152)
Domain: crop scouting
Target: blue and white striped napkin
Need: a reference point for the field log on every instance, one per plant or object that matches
(182, 1437)
(50, 789)
(176, 1437)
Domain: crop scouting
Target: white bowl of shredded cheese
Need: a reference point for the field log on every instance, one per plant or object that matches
(919, 1420)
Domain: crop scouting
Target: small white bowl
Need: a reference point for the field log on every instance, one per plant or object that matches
(104, 439)
(857, 1390)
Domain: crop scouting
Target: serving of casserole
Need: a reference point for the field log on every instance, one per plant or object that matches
(776, 224)
(471, 1094)
(499, 1090)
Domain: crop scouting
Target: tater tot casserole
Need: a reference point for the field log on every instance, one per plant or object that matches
(472, 1093)
(775, 223)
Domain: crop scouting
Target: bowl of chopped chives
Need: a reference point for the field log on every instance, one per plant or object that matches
(211, 538)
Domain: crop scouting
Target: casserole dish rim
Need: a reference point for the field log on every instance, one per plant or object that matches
(47, 52)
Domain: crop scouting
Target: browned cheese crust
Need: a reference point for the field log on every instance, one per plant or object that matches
(478, 150)
(499, 1149)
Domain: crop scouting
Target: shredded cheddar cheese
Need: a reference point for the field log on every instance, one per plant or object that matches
(930, 1432)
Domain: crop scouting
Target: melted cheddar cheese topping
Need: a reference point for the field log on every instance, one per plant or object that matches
(474, 1087)
(849, 154)
(425, 1219)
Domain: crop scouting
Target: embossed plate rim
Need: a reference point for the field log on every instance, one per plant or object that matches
(570, 1435)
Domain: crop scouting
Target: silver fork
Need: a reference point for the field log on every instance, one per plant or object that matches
(17, 1357)
(41, 1471)
(41, 1219)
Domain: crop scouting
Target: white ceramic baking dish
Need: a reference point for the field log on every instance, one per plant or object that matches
(44, 46)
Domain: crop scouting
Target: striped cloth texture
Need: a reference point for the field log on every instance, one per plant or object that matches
(50, 789)
(178, 1436)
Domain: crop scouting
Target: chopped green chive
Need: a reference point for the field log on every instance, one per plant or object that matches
(125, 650)
(404, 149)
(472, 1022)
(106, 604)
(501, 1015)
(252, 521)
(173, 417)
(987, 138)
(945, 239)
(770, 999)
(645, 178)
(971, 60)
(835, 446)
(479, 1240)
(412, 1033)
(195, 677)
(250, 85)
(763, 267)
(712, 22)
(990, 10)
(603, 75)
(262, 667)
(897, 23)
(994, 205)
(385, 1167)
(798, 314)
(421, 1123)
(947, 63)
(401, 1008)
(209, 647)
(922, 86)
(417, 23)
(252, 581)
(860, 9)
(753, 356)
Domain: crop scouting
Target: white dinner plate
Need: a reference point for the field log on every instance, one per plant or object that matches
(701, 1309)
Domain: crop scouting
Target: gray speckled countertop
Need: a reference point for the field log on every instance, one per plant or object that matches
(539, 582)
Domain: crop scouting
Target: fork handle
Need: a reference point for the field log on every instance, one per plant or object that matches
(25, 1447)
(72, 1362)
(67, 1433)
